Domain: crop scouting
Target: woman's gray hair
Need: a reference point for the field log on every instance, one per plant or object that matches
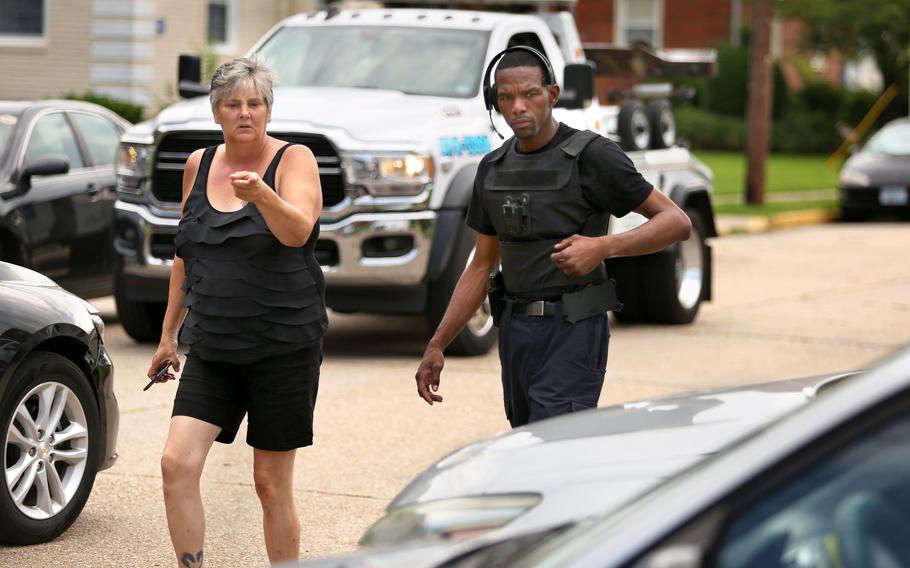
(231, 74)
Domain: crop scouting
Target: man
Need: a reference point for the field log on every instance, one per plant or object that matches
(541, 203)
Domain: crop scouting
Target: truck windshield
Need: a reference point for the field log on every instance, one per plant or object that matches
(417, 61)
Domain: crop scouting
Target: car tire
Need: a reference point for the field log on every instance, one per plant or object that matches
(633, 126)
(852, 215)
(37, 505)
(479, 335)
(673, 282)
(140, 320)
(663, 124)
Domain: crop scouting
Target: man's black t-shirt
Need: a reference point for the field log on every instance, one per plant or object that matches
(608, 179)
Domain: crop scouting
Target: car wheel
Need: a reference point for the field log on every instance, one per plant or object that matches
(479, 335)
(52, 443)
(633, 127)
(673, 283)
(140, 320)
(663, 125)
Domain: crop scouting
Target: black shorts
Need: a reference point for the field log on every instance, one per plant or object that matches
(278, 394)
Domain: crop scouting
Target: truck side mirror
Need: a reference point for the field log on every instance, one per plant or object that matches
(189, 76)
(578, 86)
(52, 164)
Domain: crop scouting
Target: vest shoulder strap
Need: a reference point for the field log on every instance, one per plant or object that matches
(499, 153)
(578, 142)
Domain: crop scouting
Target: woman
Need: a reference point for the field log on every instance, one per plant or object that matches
(249, 295)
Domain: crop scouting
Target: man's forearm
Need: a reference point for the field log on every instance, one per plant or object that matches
(660, 231)
(467, 297)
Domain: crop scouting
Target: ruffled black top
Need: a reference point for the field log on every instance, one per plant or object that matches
(249, 296)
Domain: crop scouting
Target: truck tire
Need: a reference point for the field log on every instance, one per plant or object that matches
(140, 320)
(673, 283)
(663, 124)
(479, 335)
(49, 474)
(633, 126)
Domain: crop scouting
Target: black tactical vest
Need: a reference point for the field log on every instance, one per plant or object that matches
(534, 201)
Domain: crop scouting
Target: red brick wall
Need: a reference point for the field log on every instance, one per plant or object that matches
(696, 23)
(595, 20)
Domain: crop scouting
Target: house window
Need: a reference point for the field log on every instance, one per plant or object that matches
(23, 21)
(222, 21)
(639, 20)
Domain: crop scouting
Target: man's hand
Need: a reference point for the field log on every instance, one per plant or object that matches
(428, 375)
(578, 255)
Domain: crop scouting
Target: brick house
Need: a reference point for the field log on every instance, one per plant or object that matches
(125, 49)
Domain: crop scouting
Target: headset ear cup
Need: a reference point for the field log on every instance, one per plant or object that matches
(494, 98)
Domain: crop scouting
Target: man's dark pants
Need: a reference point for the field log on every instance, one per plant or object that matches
(549, 365)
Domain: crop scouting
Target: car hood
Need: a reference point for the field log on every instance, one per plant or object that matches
(363, 114)
(610, 454)
(882, 169)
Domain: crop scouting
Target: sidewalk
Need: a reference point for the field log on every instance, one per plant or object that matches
(748, 224)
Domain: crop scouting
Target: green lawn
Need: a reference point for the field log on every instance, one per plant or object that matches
(785, 172)
(774, 207)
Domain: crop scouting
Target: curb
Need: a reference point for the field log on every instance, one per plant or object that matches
(753, 224)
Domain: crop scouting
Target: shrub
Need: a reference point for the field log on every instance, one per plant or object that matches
(710, 131)
(131, 112)
(801, 132)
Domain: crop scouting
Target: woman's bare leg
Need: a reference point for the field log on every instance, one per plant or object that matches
(188, 444)
(273, 473)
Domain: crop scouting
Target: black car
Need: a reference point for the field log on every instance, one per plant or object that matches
(58, 413)
(875, 180)
(57, 194)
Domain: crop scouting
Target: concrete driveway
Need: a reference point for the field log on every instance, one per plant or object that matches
(789, 303)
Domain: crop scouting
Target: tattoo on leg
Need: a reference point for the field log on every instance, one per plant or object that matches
(191, 561)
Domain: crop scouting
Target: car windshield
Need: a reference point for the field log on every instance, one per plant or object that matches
(418, 61)
(893, 140)
(7, 127)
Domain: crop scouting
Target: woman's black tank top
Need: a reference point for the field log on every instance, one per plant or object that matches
(249, 296)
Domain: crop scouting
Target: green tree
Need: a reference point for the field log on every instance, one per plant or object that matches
(880, 28)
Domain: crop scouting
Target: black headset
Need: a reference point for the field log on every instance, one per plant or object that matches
(490, 96)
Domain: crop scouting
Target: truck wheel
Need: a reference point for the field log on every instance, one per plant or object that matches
(479, 335)
(673, 283)
(52, 443)
(140, 320)
(663, 125)
(633, 126)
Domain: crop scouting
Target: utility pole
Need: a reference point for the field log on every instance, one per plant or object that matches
(758, 128)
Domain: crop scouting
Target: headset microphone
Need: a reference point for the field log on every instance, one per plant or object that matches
(493, 126)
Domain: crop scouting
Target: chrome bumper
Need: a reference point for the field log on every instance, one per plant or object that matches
(350, 265)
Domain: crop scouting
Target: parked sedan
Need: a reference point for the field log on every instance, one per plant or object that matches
(825, 486)
(57, 185)
(876, 179)
(58, 413)
(567, 468)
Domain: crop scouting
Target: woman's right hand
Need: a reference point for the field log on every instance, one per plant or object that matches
(167, 351)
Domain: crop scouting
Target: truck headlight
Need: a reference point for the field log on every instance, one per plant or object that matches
(389, 174)
(133, 166)
(448, 518)
(852, 178)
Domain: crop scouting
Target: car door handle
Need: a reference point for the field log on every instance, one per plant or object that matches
(92, 191)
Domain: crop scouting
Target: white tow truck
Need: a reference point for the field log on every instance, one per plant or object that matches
(389, 100)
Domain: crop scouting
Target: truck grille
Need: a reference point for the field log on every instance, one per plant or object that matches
(176, 147)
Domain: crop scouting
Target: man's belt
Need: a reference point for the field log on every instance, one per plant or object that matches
(536, 308)
(589, 301)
